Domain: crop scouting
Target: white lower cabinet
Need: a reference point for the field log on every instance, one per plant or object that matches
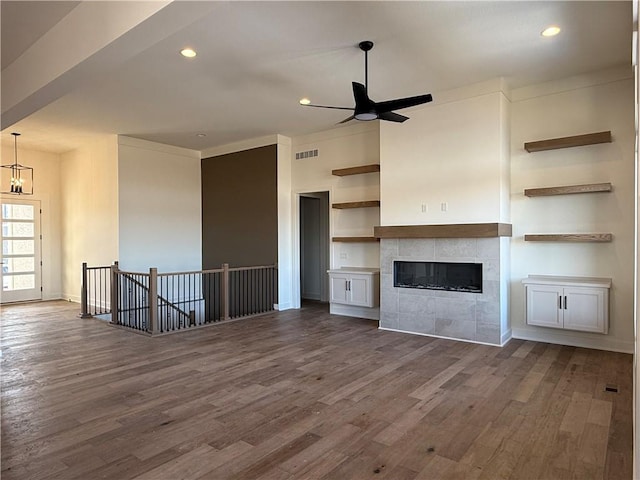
(571, 303)
(355, 286)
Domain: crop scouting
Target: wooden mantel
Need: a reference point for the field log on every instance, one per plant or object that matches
(454, 230)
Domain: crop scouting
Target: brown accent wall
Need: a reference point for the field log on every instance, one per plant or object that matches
(239, 208)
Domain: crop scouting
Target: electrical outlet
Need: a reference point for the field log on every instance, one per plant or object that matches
(424, 208)
(444, 206)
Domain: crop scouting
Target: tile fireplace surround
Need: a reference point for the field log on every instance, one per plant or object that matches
(476, 317)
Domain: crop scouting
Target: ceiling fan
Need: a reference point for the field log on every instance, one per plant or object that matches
(365, 108)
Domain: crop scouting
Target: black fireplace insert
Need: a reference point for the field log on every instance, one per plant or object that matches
(457, 277)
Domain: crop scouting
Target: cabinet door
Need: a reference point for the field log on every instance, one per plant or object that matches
(543, 306)
(585, 309)
(360, 287)
(339, 293)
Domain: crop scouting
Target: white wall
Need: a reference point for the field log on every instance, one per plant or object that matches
(450, 152)
(350, 146)
(160, 207)
(286, 276)
(598, 102)
(89, 192)
(46, 181)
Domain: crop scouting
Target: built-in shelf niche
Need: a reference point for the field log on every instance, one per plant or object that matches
(570, 237)
(343, 172)
(568, 190)
(363, 204)
(355, 239)
(568, 142)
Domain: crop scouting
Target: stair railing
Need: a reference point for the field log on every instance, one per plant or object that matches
(166, 302)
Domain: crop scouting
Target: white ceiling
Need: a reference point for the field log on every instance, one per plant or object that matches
(257, 59)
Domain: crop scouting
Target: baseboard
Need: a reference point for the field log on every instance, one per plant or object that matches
(311, 296)
(506, 336)
(71, 298)
(52, 296)
(445, 338)
(565, 338)
(354, 311)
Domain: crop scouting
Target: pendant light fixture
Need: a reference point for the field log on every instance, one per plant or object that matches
(17, 179)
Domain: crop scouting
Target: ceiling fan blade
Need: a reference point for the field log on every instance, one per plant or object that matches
(392, 117)
(360, 95)
(399, 103)
(348, 119)
(326, 106)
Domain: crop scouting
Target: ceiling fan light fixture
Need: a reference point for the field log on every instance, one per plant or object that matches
(550, 31)
(366, 116)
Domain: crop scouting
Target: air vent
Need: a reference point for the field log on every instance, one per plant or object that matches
(307, 154)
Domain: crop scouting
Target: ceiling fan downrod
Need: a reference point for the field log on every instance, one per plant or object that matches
(365, 46)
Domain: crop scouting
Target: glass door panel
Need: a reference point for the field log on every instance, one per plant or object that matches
(21, 271)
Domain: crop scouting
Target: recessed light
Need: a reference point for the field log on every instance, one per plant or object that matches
(188, 52)
(200, 135)
(305, 101)
(551, 31)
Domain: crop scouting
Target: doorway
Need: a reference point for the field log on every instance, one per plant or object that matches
(21, 266)
(314, 246)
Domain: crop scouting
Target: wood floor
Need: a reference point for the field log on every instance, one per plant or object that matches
(302, 395)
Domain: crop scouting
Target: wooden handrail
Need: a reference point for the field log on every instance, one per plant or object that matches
(235, 269)
(128, 276)
(192, 272)
(142, 274)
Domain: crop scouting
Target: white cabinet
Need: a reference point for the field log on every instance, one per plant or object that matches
(571, 303)
(543, 306)
(355, 286)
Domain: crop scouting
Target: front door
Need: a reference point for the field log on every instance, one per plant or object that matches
(21, 270)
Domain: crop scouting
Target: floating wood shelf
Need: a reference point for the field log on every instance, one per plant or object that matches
(567, 142)
(343, 172)
(568, 189)
(455, 230)
(569, 237)
(364, 204)
(355, 239)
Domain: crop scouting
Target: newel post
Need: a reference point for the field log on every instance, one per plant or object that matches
(225, 291)
(84, 300)
(115, 291)
(153, 300)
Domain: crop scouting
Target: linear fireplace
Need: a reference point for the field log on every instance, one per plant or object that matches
(476, 317)
(457, 277)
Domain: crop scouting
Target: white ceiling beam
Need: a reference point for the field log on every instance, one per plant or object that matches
(93, 38)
